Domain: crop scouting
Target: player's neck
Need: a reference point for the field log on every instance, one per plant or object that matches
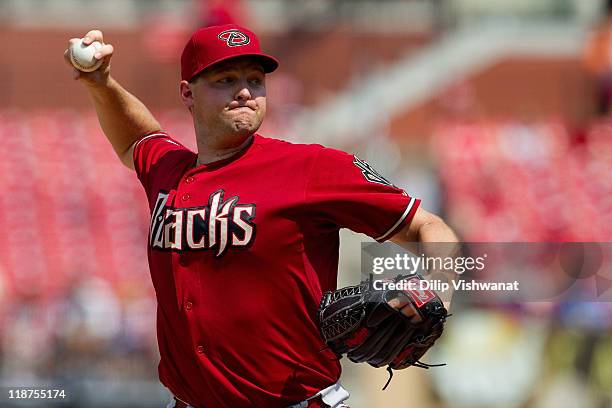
(210, 151)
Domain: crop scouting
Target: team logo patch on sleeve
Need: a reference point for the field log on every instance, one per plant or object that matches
(369, 173)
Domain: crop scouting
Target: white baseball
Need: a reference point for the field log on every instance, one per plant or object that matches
(82, 56)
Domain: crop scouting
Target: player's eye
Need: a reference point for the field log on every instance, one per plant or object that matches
(256, 81)
(225, 80)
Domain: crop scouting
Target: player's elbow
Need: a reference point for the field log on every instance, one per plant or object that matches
(127, 157)
(128, 162)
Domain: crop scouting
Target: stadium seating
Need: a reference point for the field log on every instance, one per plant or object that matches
(513, 181)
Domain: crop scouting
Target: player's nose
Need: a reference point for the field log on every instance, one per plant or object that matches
(243, 93)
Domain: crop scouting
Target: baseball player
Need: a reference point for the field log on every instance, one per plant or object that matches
(244, 233)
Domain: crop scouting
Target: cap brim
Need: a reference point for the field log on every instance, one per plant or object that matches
(268, 62)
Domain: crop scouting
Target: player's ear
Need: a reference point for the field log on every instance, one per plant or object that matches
(186, 94)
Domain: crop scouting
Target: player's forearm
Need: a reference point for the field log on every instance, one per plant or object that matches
(426, 228)
(437, 240)
(430, 236)
(123, 117)
(436, 230)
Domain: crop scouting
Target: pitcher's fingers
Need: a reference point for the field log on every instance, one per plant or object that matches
(104, 52)
(67, 50)
(406, 307)
(410, 311)
(398, 303)
(93, 35)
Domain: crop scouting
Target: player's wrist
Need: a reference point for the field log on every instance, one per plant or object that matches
(99, 83)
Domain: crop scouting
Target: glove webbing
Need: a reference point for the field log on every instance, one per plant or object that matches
(415, 364)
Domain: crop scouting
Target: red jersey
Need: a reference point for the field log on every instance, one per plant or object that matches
(240, 251)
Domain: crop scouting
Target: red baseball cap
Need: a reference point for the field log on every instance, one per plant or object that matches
(210, 45)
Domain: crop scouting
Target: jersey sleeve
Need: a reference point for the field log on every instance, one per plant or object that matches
(348, 193)
(153, 155)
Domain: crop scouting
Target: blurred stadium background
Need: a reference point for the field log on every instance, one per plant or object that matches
(495, 112)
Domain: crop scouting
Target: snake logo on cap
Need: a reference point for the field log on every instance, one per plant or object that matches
(234, 38)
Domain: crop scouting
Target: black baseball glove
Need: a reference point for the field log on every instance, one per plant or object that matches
(369, 325)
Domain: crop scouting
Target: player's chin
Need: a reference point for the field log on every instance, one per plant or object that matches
(245, 127)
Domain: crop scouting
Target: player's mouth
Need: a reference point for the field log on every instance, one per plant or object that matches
(235, 105)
